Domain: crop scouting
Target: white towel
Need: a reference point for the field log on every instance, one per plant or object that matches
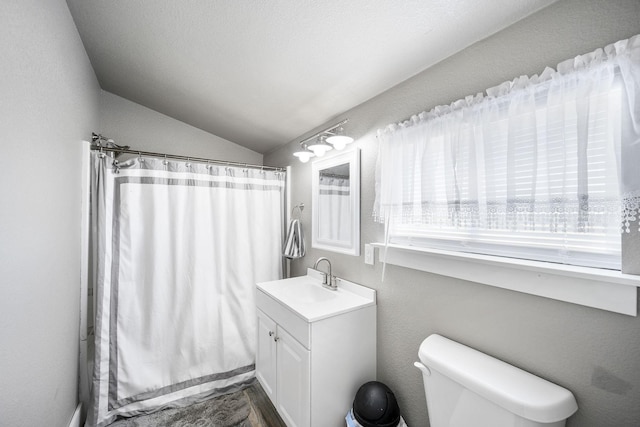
(294, 245)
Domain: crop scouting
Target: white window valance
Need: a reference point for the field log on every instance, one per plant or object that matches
(542, 167)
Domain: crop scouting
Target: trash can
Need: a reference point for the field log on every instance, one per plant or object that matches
(374, 405)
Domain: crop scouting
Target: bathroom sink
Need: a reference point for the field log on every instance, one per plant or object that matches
(307, 298)
(308, 292)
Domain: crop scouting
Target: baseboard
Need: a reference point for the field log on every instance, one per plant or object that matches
(75, 420)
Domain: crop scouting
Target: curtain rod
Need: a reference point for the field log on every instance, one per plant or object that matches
(99, 147)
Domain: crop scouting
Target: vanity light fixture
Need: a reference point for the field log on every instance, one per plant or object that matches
(304, 154)
(320, 147)
(339, 140)
(323, 141)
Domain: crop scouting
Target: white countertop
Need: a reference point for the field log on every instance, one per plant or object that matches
(308, 299)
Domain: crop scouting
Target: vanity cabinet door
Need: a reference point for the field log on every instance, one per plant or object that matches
(293, 381)
(266, 355)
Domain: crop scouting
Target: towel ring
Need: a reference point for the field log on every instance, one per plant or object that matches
(300, 207)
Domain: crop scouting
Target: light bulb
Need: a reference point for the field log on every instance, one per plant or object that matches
(304, 155)
(339, 141)
(320, 148)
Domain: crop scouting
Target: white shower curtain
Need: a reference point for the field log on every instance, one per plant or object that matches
(179, 248)
(334, 209)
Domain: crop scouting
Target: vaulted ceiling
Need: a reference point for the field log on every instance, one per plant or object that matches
(261, 73)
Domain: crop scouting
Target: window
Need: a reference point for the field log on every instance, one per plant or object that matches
(535, 170)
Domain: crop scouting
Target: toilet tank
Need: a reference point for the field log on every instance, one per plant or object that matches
(465, 387)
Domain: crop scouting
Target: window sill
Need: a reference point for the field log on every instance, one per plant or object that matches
(592, 287)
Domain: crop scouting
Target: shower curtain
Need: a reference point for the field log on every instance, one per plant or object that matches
(178, 249)
(334, 209)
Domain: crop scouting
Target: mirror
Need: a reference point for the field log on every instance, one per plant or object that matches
(335, 185)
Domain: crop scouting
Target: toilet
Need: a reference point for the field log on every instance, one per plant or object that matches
(465, 387)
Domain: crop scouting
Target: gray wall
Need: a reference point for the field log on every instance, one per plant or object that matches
(48, 105)
(128, 123)
(595, 354)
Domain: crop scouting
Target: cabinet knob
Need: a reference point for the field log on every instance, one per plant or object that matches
(270, 333)
(276, 339)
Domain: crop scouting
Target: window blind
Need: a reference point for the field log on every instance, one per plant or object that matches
(533, 170)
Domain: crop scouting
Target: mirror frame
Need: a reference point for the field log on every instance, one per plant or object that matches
(352, 157)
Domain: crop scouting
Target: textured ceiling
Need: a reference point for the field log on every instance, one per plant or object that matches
(261, 73)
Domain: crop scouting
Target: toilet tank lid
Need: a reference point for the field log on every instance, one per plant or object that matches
(513, 389)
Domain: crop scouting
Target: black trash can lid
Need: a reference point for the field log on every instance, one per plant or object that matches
(375, 406)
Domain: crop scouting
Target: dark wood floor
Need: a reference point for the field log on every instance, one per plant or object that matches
(264, 411)
(221, 411)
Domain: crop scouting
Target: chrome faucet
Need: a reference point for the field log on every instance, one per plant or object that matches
(328, 280)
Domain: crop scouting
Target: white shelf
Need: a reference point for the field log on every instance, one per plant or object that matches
(592, 287)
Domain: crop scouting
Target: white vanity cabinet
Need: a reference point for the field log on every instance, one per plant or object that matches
(266, 367)
(282, 367)
(316, 347)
